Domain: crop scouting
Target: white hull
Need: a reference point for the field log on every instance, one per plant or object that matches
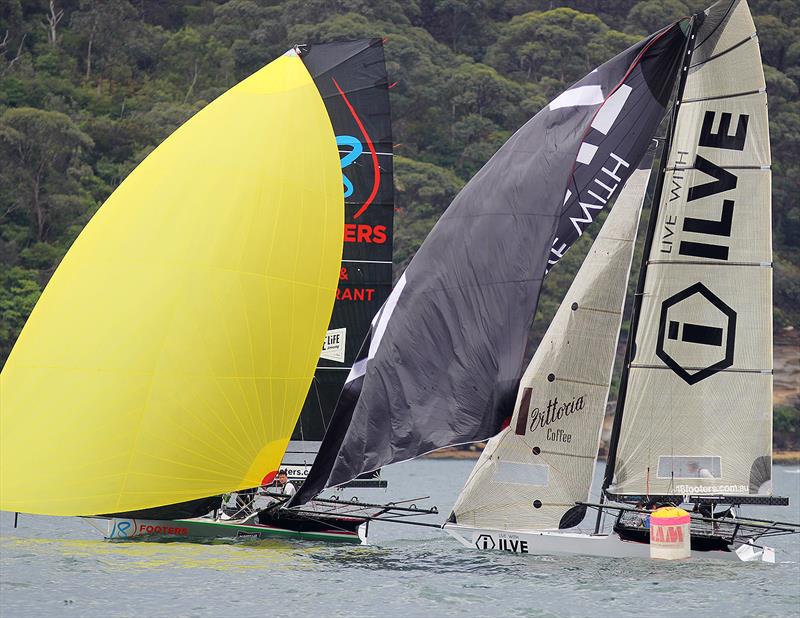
(555, 543)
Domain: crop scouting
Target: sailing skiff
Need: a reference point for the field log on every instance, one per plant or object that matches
(171, 353)
(441, 365)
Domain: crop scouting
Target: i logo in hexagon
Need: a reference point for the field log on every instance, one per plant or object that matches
(696, 333)
(484, 541)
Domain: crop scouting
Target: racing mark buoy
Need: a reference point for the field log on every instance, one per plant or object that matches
(669, 534)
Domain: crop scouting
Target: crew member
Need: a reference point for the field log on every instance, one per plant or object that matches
(697, 471)
(285, 487)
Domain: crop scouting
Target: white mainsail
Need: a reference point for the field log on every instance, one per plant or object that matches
(532, 473)
(698, 405)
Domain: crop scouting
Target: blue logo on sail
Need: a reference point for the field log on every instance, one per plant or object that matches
(349, 158)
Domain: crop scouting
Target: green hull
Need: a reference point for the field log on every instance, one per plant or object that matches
(203, 529)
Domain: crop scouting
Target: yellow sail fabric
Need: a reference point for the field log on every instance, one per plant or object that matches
(170, 354)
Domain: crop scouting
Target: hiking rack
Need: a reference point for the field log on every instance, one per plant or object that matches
(392, 512)
(723, 527)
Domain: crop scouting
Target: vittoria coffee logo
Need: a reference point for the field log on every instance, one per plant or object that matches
(532, 419)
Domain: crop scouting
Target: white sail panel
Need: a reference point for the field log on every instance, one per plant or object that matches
(707, 80)
(690, 426)
(707, 123)
(530, 475)
(750, 240)
(714, 41)
(691, 321)
(698, 407)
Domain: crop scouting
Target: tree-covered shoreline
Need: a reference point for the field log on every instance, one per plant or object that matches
(89, 87)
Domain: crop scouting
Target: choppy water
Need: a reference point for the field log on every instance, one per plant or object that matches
(57, 566)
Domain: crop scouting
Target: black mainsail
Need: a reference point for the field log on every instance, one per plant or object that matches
(351, 77)
(443, 358)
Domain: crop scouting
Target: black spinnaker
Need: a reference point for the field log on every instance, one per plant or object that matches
(443, 358)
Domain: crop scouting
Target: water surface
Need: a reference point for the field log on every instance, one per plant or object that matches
(60, 567)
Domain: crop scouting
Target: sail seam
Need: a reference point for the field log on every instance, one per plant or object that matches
(709, 263)
(601, 384)
(611, 311)
(722, 53)
(726, 96)
(569, 455)
(722, 167)
(728, 370)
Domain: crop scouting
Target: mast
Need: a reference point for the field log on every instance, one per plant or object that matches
(630, 351)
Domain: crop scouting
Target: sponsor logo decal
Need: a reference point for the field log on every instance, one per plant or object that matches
(334, 345)
(296, 472)
(666, 534)
(512, 543)
(696, 351)
(129, 528)
(352, 293)
(159, 529)
(505, 542)
(533, 419)
(693, 490)
(485, 541)
(363, 233)
(598, 192)
(247, 535)
(355, 153)
(122, 529)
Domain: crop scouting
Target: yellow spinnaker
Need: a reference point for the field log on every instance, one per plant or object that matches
(170, 354)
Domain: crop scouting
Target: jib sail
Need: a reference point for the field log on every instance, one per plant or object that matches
(698, 405)
(443, 359)
(530, 475)
(351, 77)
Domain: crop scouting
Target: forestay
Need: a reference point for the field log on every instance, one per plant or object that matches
(531, 474)
(698, 411)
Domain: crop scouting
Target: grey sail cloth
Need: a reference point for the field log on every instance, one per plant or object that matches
(444, 357)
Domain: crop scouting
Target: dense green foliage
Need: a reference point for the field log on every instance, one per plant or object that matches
(89, 87)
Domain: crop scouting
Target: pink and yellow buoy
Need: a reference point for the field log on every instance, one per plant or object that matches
(669, 534)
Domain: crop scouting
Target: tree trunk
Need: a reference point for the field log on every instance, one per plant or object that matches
(89, 55)
(38, 211)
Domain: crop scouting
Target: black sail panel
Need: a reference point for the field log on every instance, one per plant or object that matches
(351, 76)
(444, 355)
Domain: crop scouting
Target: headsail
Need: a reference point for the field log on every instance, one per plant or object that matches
(698, 405)
(169, 356)
(530, 475)
(444, 356)
(351, 77)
